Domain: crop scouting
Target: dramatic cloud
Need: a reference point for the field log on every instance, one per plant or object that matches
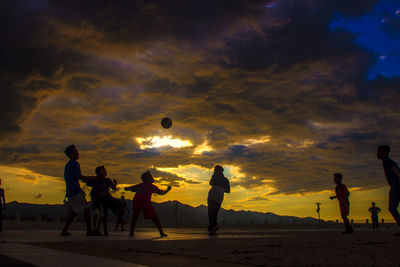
(267, 87)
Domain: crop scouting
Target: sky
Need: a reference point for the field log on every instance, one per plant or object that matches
(281, 93)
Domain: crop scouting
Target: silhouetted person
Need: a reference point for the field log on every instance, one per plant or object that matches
(101, 197)
(2, 201)
(219, 185)
(392, 173)
(76, 201)
(342, 195)
(120, 213)
(142, 201)
(374, 210)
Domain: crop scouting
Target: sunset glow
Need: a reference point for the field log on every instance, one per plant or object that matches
(282, 94)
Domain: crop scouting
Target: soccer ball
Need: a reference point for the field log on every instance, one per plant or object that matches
(166, 123)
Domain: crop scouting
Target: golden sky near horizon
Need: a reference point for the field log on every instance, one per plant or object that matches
(268, 89)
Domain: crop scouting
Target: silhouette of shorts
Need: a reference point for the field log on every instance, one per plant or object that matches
(344, 208)
(147, 208)
(77, 203)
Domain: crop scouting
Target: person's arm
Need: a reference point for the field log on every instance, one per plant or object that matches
(4, 199)
(378, 209)
(333, 197)
(396, 171)
(162, 192)
(87, 178)
(228, 186)
(112, 184)
(212, 180)
(131, 188)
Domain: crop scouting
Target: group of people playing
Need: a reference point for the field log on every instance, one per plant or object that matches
(392, 173)
(102, 199)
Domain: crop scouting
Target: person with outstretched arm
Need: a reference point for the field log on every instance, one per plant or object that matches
(75, 197)
(102, 199)
(142, 201)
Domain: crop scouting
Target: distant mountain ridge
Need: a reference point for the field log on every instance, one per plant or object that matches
(186, 215)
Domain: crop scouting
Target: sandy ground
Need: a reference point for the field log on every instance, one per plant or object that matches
(186, 247)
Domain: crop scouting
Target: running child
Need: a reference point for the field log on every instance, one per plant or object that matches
(342, 195)
(219, 185)
(142, 201)
(374, 210)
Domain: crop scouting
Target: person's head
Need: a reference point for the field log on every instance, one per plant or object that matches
(383, 151)
(72, 152)
(147, 177)
(122, 198)
(218, 169)
(337, 178)
(101, 171)
(373, 204)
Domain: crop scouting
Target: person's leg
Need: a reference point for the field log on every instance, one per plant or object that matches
(116, 226)
(394, 200)
(68, 223)
(1, 217)
(349, 228)
(87, 220)
(214, 213)
(95, 218)
(216, 210)
(210, 215)
(133, 224)
(105, 220)
(159, 227)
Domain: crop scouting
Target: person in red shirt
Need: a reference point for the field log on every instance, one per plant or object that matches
(342, 195)
(142, 201)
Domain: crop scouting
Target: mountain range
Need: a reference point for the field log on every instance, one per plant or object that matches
(171, 213)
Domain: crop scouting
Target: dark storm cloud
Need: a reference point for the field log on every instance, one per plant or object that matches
(129, 21)
(98, 75)
(30, 68)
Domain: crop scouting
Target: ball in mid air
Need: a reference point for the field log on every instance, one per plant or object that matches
(166, 123)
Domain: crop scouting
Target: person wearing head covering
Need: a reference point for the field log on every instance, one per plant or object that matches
(219, 186)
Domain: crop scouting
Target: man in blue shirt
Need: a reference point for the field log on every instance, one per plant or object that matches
(76, 200)
(392, 173)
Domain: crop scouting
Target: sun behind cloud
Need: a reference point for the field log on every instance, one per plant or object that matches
(158, 141)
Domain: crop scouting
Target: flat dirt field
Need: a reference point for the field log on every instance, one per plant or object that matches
(186, 247)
